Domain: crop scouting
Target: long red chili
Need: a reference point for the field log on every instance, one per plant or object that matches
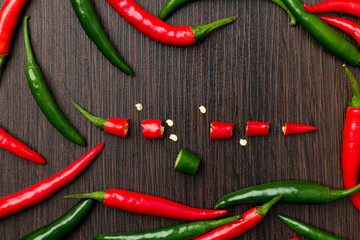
(11, 144)
(39, 192)
(152, 129)
(294, 238)
(295, 128)
(346, 6)
(351, 142)
(257, 128)
(159, 30)
(149, 205)
(220, 130)
(248, 221)
(9, 15)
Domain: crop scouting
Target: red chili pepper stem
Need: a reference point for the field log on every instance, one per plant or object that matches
(264, 209)
(201, 31)
(97, 121)
(355, 102)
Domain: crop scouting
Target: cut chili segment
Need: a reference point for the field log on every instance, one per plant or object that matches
(254, 128)
(160, 31)
(152, 129)
(221, 130)
(346, 25)
(149, 205)
(114, 126)
(39, 192)
(295, 128)
(248, 221)
(11, 144)
(187, 162)
(346, 6)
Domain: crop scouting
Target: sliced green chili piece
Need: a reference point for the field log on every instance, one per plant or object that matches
(65, 224)
(281, 4)
(307, 230)
(43, 97)
(187, 162)
(177, 232)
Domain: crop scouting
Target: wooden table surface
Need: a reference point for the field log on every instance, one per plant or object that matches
(258, 68)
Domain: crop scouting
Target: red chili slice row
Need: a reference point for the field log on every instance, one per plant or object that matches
(254, 128)
(295, 128)
(152, 129)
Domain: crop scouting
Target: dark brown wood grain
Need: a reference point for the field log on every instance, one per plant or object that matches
(258, 68)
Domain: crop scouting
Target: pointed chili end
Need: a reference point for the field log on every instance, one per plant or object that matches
(2, 59)
(264, 209)
(201, 31)
(99, 196)
(219, 204)
(355, 102)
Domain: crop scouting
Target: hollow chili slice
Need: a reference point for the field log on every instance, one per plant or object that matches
(346, 25)
(187, 162)
(295, 128)
(159, 30)
(11, 144)
(152, 129)
(114, 126)
(257, 128)
(149, 205)
(248, 221)
(39, 192)
(220, 130)
(346, 6)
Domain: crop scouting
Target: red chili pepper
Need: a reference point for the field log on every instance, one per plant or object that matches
(346, 25)
(248, 221)
(159, 30)
(346, 6)
(149, 205)
(152, 129)
(220, 130)
(39, 192)
(351, 142)
(294, 128)
(11, 144)
(294, 238)
(257, 128)
(9, 15)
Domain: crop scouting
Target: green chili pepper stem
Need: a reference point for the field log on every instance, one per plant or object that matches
(355, 102)
(281, 4)
(29, 53)
(61, 227)
(97, 121)
(338, 194)
(201, 31)
(98, 196)
(2, 59)
(307, 230)
(264, 209)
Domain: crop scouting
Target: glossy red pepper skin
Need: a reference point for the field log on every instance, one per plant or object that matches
(295, 128)
(117, 126)
(39, 192)
(152, 129)
(220, 130)
(346, 6)
(158, 30)
(11, 144)
(294, 238)
(9, 15)
(346, 25)
(254, 128)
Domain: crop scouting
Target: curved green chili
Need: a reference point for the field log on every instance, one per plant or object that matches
(90, 22)
(291, 191)
(42, 94)
(324, 34)
(171, 6)
(177, 232)
(65, 224)
(307, 230)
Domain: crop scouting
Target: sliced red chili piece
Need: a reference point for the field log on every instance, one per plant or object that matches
(346, 6)
(254, 128)
(152, 129)
(221, 130)
(295, 128)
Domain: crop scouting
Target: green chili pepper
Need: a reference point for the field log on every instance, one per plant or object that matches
(324, 34)
(64, 225)
(177, 232)
(291, 192)
(187, 162)
(90, 22)
(42, 94)
(281, 4)
(171, 6)
(307, 230)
